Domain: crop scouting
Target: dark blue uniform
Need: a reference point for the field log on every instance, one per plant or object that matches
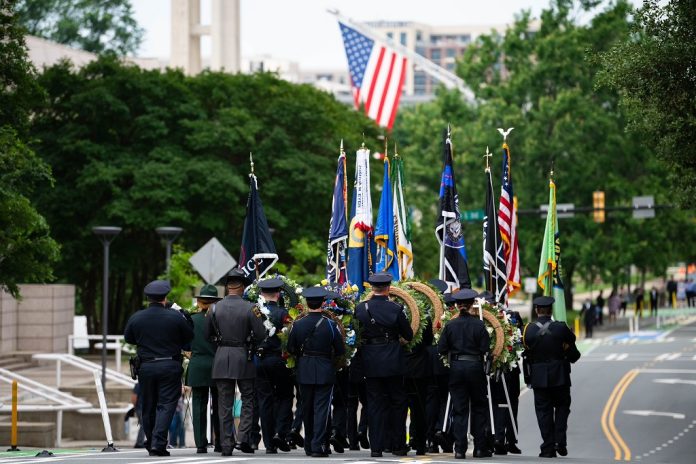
(357, 394)
(274, 385)
(504, 432)
(315, 340)
(160, 333)
(382, 322)
(418, 374)
(465, 341)
(550, 379)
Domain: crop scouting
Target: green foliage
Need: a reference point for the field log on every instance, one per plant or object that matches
(653, 70)
(142, 149)
(542, 82)
(182, 277)
(308, 261)
(27, 251)
(93, 26)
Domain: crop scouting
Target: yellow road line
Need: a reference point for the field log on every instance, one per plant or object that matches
(608, 416)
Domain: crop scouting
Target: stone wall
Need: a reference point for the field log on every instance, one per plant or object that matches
(40, 321)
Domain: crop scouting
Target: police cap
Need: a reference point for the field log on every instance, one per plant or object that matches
(439, 284)
(315, 293)
(271, 285)
(157, 289)
(380, 279)
(488, 296)
(465, 294)
(238, 275)
(544, 301)
(448, 299)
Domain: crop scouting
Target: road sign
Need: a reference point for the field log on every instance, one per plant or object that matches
(212, 261)
(530, 285)
(644, 207)
(471, 215)
(563, 210)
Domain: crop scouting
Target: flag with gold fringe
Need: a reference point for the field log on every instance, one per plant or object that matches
(549, 275)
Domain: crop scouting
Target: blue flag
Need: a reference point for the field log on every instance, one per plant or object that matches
(385, 237)
(338, 228)
(360, 231)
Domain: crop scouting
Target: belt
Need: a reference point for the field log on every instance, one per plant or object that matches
(264, 354)
(377, 341)
(466, 357)
(164, 358)
(316, 354)
(232, 343)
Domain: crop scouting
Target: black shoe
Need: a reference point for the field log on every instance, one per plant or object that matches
(376, 454)
(512, 448)
(156, 452)
(459, 455)
(547, 454)
(387, 450)
(400, 452)
(432, 448)
(420, 451)
(482, 453)
(271, 451)
(281, 444)
(562, 450)
(337, 443)
(226, 452)
(363, 440)
(201, 450)
(354, 447)
(245, 448)
(500, 449)
(295, 438)
(320, 455)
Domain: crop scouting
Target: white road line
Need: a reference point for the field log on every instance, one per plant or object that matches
(622, 356)
(611, 357)
(194, 460)
(673, 356)
(673, 415)
(668, 371)
(675, 381)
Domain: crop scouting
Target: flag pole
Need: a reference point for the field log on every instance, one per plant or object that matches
(549, 291)
(251, 174)
(488, 379)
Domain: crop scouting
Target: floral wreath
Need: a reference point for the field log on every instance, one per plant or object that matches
(506, 338)
(290, 290)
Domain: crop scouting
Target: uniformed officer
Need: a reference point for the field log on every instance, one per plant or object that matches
(550, 347)
(357, 395)
(315, 341)
(235, 327)
(439, 433)
(198, 373)
(274, 382)
(465, 341)
(382, 323)
(418, 375)
(160, 335)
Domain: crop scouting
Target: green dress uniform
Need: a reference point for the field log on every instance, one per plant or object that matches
(199, 379)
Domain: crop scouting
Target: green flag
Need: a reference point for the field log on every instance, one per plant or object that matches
(549, 276)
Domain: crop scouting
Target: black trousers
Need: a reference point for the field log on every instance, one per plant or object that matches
(199, 415)
(416, 392)
(226, 393)
(387, 409)
(468, 383)
(339, 416)
(437, 391)
(504, 432)
(316, 404)
(274, 396)
(552, 407)
(357, 394)
(297, 419)
(160, 388)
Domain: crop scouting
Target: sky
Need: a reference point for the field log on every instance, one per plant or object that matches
(302, 30)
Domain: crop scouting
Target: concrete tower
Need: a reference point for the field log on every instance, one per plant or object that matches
(187, 31)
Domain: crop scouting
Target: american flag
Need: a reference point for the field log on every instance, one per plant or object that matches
(377, 73)
(507, 222)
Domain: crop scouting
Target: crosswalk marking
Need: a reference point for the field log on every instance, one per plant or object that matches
(667, 356)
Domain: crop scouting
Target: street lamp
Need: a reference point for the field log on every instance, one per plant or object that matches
(106, 234)
(169, 234)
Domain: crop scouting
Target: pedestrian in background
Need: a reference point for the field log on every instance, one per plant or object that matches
(624, 302)
(177, 429)
(653, 301)
(614, 304)
(588, 315)
(599, 307)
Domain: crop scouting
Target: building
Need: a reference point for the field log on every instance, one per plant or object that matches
(442, 45)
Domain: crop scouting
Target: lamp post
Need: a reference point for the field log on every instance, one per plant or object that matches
(106, 234)
(169, 234)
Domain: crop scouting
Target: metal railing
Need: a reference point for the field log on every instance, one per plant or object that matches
(80, 363)
(116, 344)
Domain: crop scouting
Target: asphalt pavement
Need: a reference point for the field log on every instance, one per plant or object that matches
(634, 399)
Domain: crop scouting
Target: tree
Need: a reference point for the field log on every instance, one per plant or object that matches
(653, 70)
(95, 26)
(27, 250)
(542, 82)
(142, 149)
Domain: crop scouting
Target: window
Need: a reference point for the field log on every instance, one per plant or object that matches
(449, 66)
(390, 35)
(402, 38)
(466, 38)
(419, 36)
(435, 54)
(451, 52)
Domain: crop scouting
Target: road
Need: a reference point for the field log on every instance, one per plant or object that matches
(633, 400)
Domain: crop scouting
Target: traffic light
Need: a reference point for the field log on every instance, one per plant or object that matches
(598, 204)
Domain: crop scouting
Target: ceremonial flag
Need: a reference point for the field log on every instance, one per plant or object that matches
(402, 221)
(550, 262)
(493, 259)
(258, 253)
(360, 229)
(377, 74)
(338, 228)
(507, 223)
(384, 233)
(453, 259)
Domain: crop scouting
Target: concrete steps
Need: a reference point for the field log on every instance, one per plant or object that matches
(31, 434)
